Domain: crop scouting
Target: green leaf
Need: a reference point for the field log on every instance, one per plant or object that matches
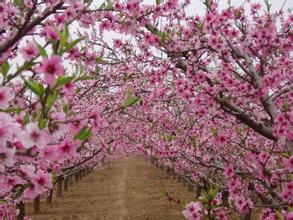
(51, 100)
(54, 176)
(63, 35)
(162, 193)
(163, 36)
(66, 108)
(5, 68)
(238, 14)
(62, 80)
(83, 134)
(130, 100)
(77, 90)
(286, 106)
(11, 110)
(211, 194)
(18, 2)
(28, 64)
(109, 6)
(35, 87)
(158, 2)
(26, 119)
(99, 59)
(42, 123)
(73, 44)
(200, 25)
(42, 51)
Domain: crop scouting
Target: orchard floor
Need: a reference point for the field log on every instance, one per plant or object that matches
(128, 189)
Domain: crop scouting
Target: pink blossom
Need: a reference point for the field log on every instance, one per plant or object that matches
(263, 157)
(288, 216)
(67, 149)
(268, 214)
(50, 33)
(34, 137)
(242, 204)
(74, 53)
(7, 127)
(222, 139)
(41, 181)
(30, 192)
(68, 88)
(229, 171)
(6, 95)
(288, 163)
(7, 156)
(193, 211)
(29, 51)
(28, 170)
(11, 181)
(51, 67)
(60, 18)
(117, 43)
(288, 193)
(222, 214)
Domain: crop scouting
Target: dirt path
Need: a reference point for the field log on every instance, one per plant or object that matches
(128, 189)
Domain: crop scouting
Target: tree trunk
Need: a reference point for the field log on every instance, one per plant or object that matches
(49, 198)
(37, 205)
(59, 188)
(21, 207)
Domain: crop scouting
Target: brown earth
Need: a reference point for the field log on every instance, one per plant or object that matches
(128, 189)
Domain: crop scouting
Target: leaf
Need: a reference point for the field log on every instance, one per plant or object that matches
(200, 26)
(28, 64)
(36, 88)
(158, 2)
(54, 176)
(214, 131)
(164, 36)
(238, 14)
(109, 6)
(11, 110)
(83, 134)
(130, 100)
(26, 119)
(42, 123)
(62, 80)
(5, 68)
(42, 51)
(66, 108)
(64, 35)
(211, 194)
(162, 193)
(18, 2)
(99, 59)
(73, 44)
(51, 100)
(77, 90)
(286, 106)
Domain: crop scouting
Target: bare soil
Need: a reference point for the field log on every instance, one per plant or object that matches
(128, 189)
